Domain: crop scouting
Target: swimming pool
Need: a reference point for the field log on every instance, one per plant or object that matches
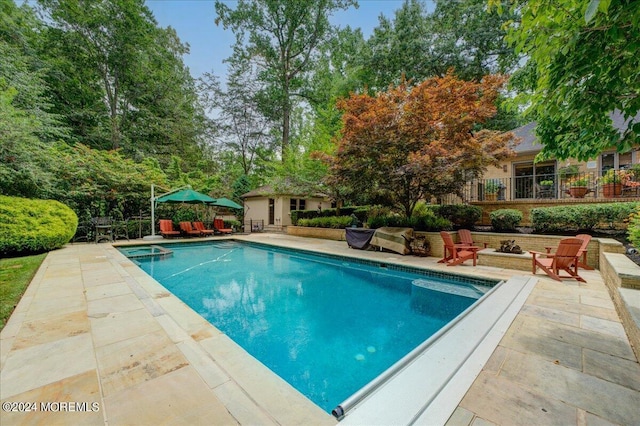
(327, 325)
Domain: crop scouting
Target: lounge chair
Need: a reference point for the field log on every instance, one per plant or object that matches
(564, 259)
(582, 254)
(188, 229)
(466, 238)
(218, 225)
(200, 227)
(166, 229)
(455, 254)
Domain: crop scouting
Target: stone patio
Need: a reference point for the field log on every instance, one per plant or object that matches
(94, 330)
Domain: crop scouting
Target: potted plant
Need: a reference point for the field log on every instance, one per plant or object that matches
(491, 188)
(546, 184)
(579, 187)
(612, 182)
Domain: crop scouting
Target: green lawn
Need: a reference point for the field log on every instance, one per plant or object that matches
(15, 276)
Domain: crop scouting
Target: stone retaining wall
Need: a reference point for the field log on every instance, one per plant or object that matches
(622, 278)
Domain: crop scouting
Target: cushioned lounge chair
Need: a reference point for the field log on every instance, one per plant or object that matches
(455, 254)
(166, 229)
(564, 259)
(188, 229)
(218, 224)
(200, 227)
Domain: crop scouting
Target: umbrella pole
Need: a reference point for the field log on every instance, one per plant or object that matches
(153, 213)
(153, 235)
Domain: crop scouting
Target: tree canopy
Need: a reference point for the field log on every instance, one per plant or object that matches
(408, 144)
(282, 39)
(583, 66)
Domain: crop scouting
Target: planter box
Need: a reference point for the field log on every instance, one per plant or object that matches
(610, 190)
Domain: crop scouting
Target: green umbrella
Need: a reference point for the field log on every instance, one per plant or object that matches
(225, 202)
(188, 196)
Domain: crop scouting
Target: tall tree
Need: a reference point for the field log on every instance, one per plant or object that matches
(26, 123)
(281, 37)
(470, 37)
(400, 48)
(410, 144)
(419, 44)
(108, 37)
(119, 79)
(584, 63)
(243, 129)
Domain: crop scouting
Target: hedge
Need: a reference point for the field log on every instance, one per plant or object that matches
(505, 219)
(460, 215)
(34, 226)
(581, 217)
(335, 222)
(360, 212)
(634, 228)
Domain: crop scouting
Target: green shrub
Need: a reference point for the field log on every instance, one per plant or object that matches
(34, 226)
(335, 222)
(233, 224)
(580, 217)
(428, 221)
(184, 214)
(505, 219)
(634, 228)
(461, 215)
(360, 212)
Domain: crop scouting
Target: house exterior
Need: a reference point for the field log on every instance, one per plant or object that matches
(522, 184)
(521, 178)
(266, 209)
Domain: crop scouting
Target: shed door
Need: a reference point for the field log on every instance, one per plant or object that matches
(272, 211)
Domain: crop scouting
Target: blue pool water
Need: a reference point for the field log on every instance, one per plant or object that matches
(327, 326)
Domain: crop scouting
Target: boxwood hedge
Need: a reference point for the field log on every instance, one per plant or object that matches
(34, 226)
(581, 217)
(335, 222)
(505, 220)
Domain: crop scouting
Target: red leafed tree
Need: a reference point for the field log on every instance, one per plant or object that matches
(408, 144)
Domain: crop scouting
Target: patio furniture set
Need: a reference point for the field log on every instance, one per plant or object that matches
(195, 229)
(570, 255)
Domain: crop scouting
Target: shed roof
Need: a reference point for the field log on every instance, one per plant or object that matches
(269, 191)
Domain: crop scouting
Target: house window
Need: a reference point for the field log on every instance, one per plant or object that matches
(614, 160)
(527, 178)
(297, 204)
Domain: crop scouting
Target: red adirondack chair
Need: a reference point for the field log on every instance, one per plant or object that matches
(564, 259)
(455, 254)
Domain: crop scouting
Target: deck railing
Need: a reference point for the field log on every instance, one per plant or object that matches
(615, 184)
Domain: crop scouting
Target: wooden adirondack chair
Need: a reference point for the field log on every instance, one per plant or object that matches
(466, 238)
(565, 259)
(455, 254)
(582, 254)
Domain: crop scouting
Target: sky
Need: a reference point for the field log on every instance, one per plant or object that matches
(209, 44)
